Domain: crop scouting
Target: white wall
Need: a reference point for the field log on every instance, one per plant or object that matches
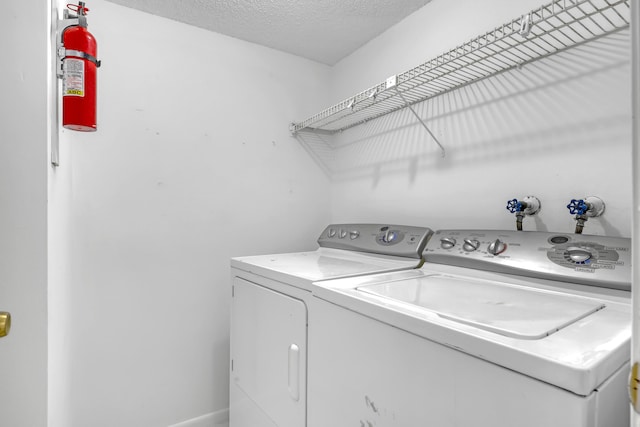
(23, 213)
(557, 129)
(192, 164)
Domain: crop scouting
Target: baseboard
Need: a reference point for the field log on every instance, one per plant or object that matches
(213, 419)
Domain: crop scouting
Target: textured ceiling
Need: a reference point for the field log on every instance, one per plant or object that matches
(322, 30)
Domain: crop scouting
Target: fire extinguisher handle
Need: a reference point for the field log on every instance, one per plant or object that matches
(79, 8)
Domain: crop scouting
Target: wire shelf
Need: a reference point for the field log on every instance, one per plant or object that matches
(545, 31)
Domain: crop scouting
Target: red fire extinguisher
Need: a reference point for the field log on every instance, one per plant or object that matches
(79, 72)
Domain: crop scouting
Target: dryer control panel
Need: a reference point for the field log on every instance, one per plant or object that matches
(577, 258)
(385, 239)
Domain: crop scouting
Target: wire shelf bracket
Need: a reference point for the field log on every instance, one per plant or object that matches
(424, 125)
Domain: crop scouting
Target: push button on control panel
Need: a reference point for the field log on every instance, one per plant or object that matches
(558, 240)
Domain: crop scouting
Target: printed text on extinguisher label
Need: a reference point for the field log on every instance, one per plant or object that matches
(73, 77)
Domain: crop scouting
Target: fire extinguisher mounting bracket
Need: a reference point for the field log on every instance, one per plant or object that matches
(63, 24)
(63, 53)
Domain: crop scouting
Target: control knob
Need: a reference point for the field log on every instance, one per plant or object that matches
(389, 236)
(470, 245)
(332, 232)
(496, 247)
(343, 234)
(447, 242)
(578, 254)
(354, 234)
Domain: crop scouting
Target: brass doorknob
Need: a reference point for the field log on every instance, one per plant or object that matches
(5, 323)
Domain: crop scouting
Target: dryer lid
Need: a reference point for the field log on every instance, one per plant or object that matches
(510, 310)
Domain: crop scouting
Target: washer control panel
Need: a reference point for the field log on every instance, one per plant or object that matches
(385, 239)
(577, 258)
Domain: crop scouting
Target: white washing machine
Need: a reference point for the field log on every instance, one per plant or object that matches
(497, 329)
(270, 312)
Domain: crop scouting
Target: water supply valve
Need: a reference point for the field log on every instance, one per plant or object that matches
(590, 206)
(530, 205)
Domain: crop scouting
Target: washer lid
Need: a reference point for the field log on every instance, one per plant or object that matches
(509, 310)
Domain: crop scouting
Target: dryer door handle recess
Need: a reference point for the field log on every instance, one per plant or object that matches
(294, 372)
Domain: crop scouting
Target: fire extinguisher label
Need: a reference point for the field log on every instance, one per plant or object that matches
(73, 77)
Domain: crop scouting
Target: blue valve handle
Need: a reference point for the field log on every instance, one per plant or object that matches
(514, 206)
(577, 207)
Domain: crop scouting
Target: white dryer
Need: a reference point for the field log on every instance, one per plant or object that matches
(497, 329)
(270, 311)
